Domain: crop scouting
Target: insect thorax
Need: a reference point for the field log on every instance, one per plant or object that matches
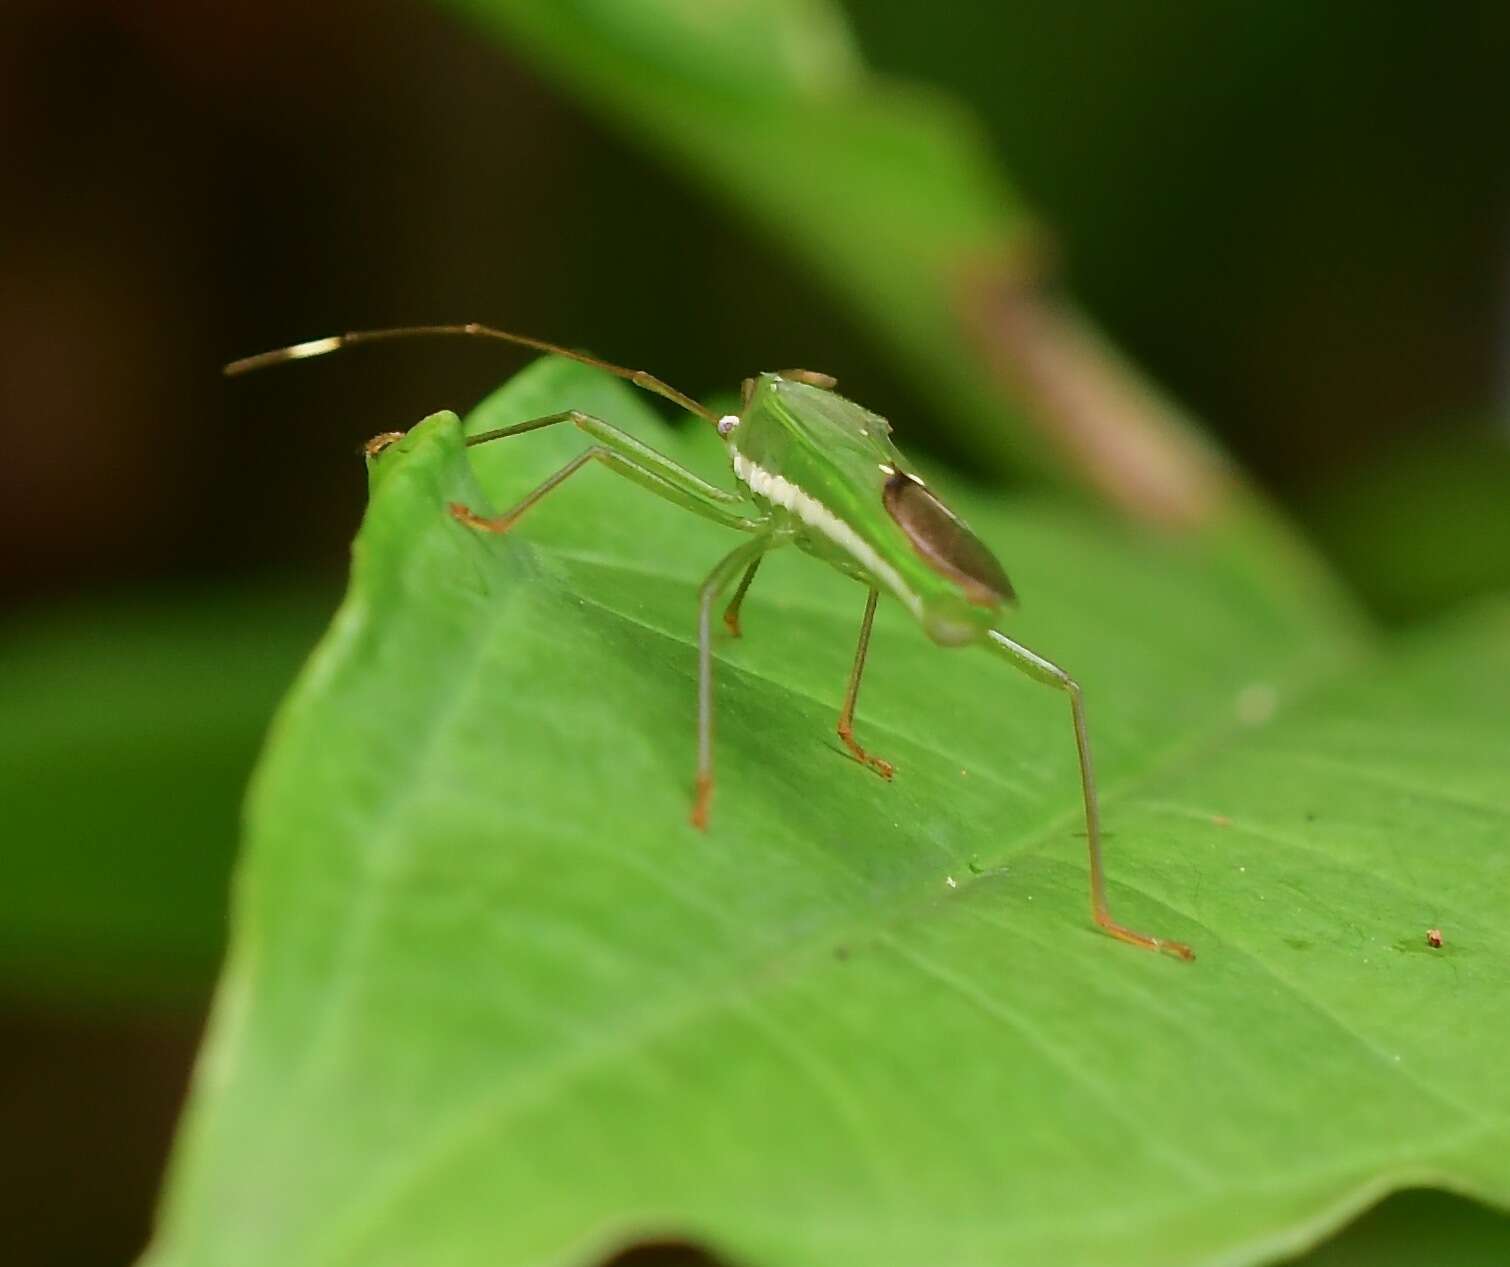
(830, 465)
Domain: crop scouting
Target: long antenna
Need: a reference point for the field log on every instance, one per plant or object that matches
(319, 347)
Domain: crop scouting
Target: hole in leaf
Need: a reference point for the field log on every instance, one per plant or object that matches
(1416, 1227)
(663, 1253)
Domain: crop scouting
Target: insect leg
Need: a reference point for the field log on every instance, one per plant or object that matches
(506, 520)
(846, 725)
(625, 455)
(1036, 667)
(718, 580)
(731, 612)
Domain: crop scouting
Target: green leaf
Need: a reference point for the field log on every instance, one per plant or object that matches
(491, 1000)
(1421, 524)
(130, 729)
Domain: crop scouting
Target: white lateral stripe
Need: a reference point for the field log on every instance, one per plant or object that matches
(782, 492)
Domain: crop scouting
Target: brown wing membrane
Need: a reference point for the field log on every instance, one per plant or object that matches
(945, 543)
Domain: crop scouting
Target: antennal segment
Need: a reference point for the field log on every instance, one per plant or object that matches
(319, 347)
(315, 347)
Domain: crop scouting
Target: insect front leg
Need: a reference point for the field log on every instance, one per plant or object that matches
(1041, 670)
(745, 555)
(846, 727)
(625, 455)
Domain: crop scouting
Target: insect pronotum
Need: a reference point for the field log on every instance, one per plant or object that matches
(819, 472)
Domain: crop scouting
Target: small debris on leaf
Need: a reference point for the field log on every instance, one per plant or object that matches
(1434, 938)
(1256, 704)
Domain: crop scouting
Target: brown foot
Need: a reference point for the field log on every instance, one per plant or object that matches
(1176, 948)
(701, 800)
(884, 768)
(380, 442)
(473, 520)
(731, 619)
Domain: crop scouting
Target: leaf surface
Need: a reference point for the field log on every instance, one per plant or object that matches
(491, 1000)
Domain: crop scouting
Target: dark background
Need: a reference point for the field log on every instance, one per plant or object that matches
(1295, 216)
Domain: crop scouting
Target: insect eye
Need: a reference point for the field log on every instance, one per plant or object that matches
(727, 424)
(944, 543)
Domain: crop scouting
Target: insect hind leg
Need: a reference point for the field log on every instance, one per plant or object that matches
(1050, 674)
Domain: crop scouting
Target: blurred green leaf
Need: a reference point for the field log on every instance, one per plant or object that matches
(1421, 525)
(889, 193)
(491, 1000)
(130, 729)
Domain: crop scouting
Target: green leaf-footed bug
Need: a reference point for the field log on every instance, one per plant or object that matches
(819, 472)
